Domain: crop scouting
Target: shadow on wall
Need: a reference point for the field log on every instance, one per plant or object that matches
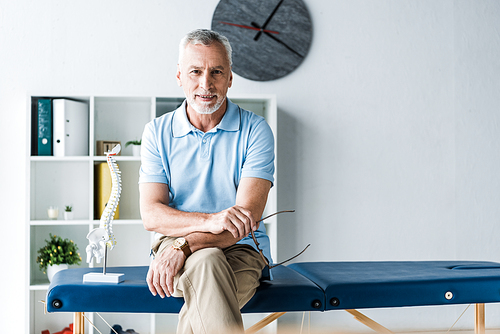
(287, 146)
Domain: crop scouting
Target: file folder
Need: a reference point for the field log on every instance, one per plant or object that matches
(44, 127)
(71, 128)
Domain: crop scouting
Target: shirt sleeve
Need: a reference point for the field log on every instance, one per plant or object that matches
(152, 168)
(259, 160)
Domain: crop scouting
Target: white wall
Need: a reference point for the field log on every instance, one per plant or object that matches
(389, 131)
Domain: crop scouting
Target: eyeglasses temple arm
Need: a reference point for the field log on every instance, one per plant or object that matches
(262, 253)
(274, 214)
(255, 239)
(290, 259)
(260, 250)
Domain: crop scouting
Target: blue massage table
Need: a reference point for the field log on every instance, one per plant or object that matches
(307, 286)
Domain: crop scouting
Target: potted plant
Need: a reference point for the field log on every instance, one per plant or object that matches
(136, 147)
(68, 212)
(57, 255)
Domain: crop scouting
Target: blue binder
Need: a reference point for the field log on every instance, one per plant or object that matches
(44, 127)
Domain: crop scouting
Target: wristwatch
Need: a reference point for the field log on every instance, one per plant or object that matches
(182, 244)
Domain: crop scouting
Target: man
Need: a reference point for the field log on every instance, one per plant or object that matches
(206, 172)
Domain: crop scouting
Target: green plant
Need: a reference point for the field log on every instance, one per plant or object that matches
(68, 208)
(58, 251)
(133, 142)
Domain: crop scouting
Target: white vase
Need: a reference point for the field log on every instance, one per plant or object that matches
(68, 215)
(52, 270)
(136, 150)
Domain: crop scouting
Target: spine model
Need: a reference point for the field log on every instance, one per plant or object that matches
(116, 189)
(102, 237)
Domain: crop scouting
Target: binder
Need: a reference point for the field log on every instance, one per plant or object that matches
(71, 128)
(102, 190)
(34, 126)
(44, 127)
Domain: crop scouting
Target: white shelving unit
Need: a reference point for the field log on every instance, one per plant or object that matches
(61, 181)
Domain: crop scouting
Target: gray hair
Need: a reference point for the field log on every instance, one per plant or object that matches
(205, 37)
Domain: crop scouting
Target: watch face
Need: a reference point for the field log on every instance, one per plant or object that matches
(178, 243)
(270, 38)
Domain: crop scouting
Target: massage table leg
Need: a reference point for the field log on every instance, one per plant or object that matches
(480, 327)
(369, 322)
(264, 322)
(78, 323)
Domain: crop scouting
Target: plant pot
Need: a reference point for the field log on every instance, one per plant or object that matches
(136, 150)
(52, 270)
(68, 215)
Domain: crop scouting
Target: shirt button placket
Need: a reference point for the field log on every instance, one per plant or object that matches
(205, 145)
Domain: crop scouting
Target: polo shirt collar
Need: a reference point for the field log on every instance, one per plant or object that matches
(181, 125)
(231, 120)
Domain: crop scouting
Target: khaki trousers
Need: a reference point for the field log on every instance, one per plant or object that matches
(215, 285)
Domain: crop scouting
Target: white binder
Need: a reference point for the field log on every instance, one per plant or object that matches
(71, 128)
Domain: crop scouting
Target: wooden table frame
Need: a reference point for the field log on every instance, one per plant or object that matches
(479, 327)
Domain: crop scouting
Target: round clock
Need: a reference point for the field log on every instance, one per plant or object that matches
(270, 38)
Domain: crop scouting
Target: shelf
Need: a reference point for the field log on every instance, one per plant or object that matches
(121, 222)
(118, 158)
(58, 222)
(39, 286)
(60, 159)
(85, 158)
(70, 180)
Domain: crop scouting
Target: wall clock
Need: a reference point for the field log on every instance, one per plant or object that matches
(270, 38)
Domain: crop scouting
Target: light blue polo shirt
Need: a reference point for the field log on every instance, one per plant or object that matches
(203, 170)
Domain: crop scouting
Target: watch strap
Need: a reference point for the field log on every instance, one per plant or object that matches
(187, 251)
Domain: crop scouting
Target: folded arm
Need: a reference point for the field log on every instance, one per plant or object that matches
(221, 229)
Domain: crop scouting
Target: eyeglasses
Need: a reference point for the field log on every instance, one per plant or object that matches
(260, 250)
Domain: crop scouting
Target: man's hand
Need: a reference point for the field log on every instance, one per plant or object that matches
(236, 220)
(162, 270)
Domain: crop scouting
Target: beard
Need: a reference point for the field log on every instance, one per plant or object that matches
(205, 108)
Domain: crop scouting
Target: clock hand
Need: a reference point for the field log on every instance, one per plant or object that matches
(267, 21)
(277, 40)
(248, 27)
(283, 43)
